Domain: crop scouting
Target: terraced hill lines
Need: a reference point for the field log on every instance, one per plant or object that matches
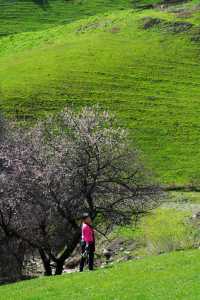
(27, 15)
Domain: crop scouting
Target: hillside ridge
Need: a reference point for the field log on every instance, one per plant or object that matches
(141, 64)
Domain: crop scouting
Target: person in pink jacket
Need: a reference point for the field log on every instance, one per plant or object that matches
(87, 243)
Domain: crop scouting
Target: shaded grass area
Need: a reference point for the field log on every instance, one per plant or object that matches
(150, 78)
(166, 277)
(185, 197)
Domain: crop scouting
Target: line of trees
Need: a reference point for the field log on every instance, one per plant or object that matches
(51, 173)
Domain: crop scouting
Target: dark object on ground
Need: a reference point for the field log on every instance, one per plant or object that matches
(150, 22)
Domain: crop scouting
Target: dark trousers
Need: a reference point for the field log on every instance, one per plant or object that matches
(89, 259)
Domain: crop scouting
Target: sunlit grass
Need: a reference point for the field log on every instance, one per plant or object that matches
(166, 277)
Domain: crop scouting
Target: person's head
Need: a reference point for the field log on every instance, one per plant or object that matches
(86, 219)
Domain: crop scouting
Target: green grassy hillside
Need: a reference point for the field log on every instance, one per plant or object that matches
(168, 277)
(30, 15)
(27, 15)
(150, 77)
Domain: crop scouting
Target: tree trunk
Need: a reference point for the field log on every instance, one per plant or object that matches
(67, 252)
(46, 263)
(59, 267)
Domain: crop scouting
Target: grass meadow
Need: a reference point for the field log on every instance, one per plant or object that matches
(149, 78)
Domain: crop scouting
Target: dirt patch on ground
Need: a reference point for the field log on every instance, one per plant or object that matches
(192, 31)
(148, 22)
(173, 27)
(178, 27)
(115, 30)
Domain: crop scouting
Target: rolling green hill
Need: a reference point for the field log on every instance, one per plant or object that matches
(142, 64)
(173, 276)
(28, 15)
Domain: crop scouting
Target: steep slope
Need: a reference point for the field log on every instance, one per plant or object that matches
(143, 65)
(165, 277)
(28, 15)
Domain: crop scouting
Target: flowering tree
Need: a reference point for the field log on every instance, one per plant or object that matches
(12, 249)
(74, 162)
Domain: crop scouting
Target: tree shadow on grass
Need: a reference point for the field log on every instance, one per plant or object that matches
(42, 3)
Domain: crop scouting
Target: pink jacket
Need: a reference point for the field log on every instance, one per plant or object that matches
(87, 233)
